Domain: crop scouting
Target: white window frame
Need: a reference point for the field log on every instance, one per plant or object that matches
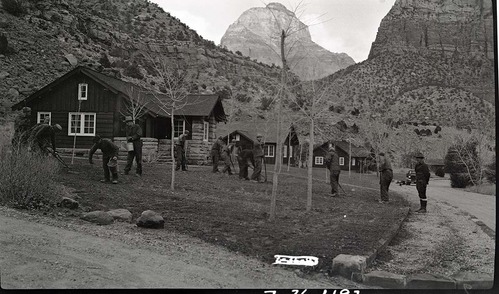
(267, 150)
(82, 124)
(290, 151)
(183, 128)
(342, 160)
(353, 161)
(238, 137)
(319, 160)
(285, 151)
(39, 116)
(80, 91)
(206, 131)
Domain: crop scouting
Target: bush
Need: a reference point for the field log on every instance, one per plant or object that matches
(27, 181)
(440, 172)
(459, 180)
(490, 171)
(14, 7)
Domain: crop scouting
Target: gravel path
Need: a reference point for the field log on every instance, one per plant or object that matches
(43, 252)
(444, 241)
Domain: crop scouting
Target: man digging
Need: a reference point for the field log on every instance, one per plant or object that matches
(109, 158)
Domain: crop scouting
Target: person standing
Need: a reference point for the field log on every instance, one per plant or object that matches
(385, 178)
(181, 151)
(42, 137)
(133, 134)
(333, 164)
(215, 153)
(226, 153)
(109, 158)
(258, 155)
(22, 127)
(422, 179)
(243, 158)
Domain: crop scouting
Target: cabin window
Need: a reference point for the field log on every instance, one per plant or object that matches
(82, 91)
(319, 160)
(353, 161)
(41, 116)
(269, 150)
(285, 151)
(178, 128)
(342, 160)
(290, 151)
(206, 130)
(81, 124)
(238, 137)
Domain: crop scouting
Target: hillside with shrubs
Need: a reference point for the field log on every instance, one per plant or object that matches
(42, 40)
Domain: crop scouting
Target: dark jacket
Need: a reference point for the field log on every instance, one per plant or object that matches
(216, 149)
(108, 148)
(258, 149)
(133, 133)
(422, 173)
(43, 135)
(245, 155)
(385, 165)
(332, 160)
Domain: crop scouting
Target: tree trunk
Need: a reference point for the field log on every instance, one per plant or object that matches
(310, 164)
(172, 151)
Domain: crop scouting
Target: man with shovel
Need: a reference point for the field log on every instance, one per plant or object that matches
(109, 158)
(258, 155)
(133, 134)
(333, 164)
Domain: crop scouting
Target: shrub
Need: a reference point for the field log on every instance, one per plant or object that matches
(440, 172)
(459, 180)
(27, 180)
(490, 171)
(14, 7)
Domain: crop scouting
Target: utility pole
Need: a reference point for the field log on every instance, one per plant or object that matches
(349, 156)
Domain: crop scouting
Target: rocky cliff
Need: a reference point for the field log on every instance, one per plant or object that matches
(256, 33)
(447, 27)
(430, 59)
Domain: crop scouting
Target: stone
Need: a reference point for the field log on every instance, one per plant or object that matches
(121, 214)
(345, 265)
(150, 219)
(13, 93)
(3, 75)
(98, 217)
(71, 59)
(429, 281)
(384, 279)
(67, 202)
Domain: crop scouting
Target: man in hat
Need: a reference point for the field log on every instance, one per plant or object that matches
(422, 179)
(42, 137)
(258, 155)
(243, 157)
(181, 151)
(215, 153)
(109, 158)
(333, 164)
(226, 153)
(22, 127)
(133, 134)
(386, 177)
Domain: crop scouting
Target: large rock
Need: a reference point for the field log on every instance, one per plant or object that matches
(121, 214)
(98, 217)
(345, 265)
(150, 219)
(250, 36)
(67, 202)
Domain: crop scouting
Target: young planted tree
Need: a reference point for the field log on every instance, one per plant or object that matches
(172, 96)
(136, 105)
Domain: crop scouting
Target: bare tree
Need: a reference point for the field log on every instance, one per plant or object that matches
(136, 104)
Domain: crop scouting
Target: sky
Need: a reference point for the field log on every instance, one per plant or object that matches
(340, 26)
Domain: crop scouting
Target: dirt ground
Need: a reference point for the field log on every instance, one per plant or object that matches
(40, 252)
(233, 213)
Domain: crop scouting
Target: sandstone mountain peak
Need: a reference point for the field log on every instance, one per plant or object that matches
(256, 33)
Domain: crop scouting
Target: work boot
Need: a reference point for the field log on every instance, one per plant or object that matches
(422, 209)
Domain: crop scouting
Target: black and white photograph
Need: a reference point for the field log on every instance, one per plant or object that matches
(282, 146)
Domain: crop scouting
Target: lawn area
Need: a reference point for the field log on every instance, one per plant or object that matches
(229, 212)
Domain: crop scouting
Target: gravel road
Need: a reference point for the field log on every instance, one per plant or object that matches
(43, 252)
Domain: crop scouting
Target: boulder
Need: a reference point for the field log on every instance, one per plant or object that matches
(121, 215)
(71, 59)
(98, 217)
(67, 202)
(3, 75)
(150, 219)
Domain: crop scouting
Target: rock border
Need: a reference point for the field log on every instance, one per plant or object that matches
(353, 267)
